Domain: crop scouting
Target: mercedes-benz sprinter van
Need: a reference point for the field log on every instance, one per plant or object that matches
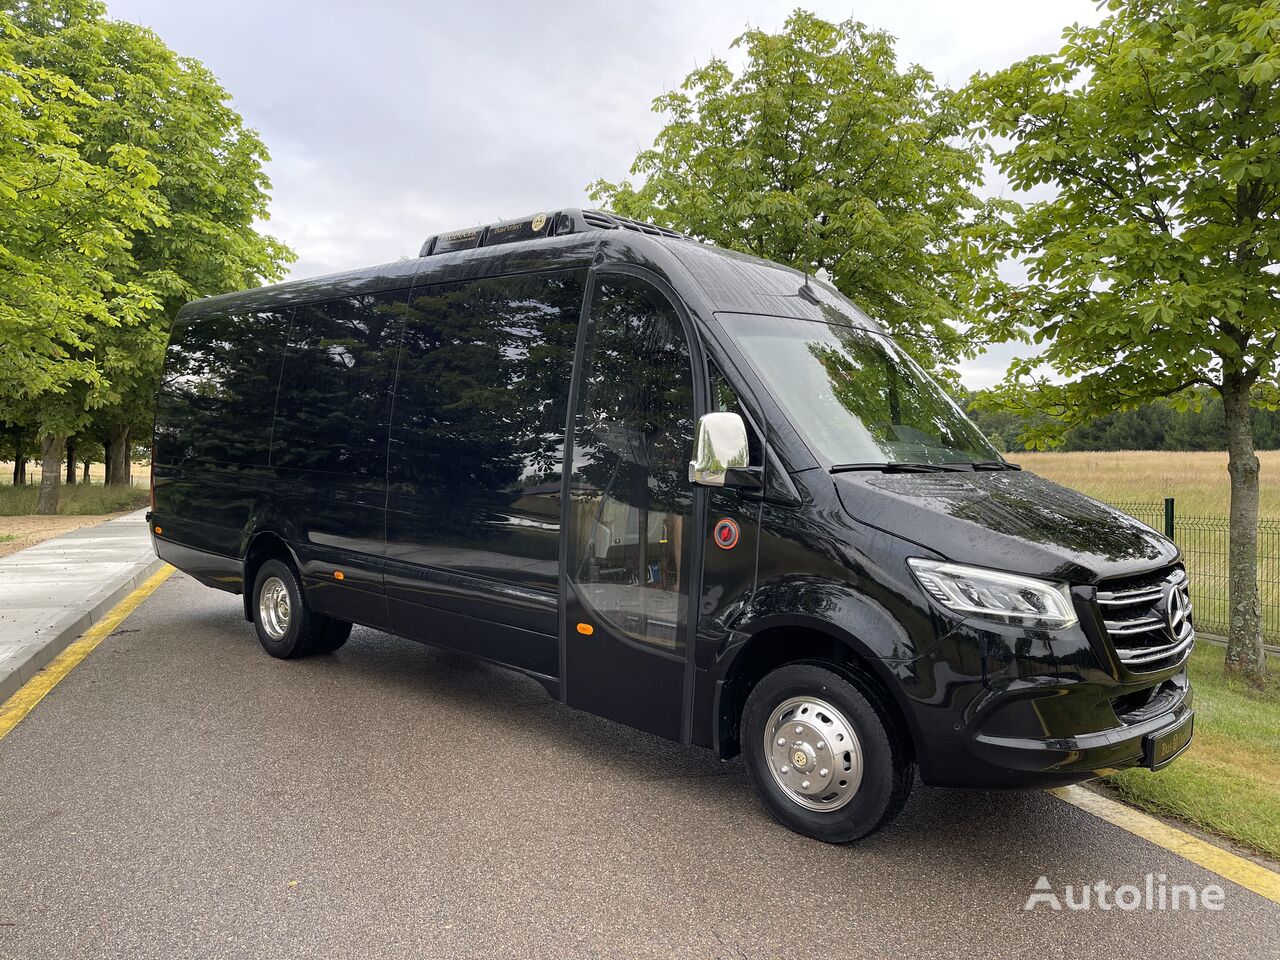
(686, 489)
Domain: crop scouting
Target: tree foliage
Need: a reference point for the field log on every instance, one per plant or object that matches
(821, 153)
(1159, 425)
(64, 219)
(1153, 269)
(133, 187)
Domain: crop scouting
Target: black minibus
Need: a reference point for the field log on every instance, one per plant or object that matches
(682, 488)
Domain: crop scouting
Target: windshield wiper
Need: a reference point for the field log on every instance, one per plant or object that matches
(897, 467)
(995, 465)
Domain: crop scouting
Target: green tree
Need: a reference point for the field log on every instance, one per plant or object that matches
(821, 154)
(205, 189)
(1005, 428)
(1152, 270)
(64, 219)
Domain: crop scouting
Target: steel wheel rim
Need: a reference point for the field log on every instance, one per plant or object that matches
(273, 608)
(813, 753)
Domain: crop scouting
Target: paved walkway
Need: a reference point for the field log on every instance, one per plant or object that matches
(52, 592)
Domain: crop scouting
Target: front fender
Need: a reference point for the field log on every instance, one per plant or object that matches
(883, 628)
(807, 618)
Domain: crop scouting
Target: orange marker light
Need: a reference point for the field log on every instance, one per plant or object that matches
(339, 575)
(159, 529)
(586, 629)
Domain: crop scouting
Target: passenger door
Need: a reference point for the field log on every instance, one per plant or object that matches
(477, 459)
(632, 540)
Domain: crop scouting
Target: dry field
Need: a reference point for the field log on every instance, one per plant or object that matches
(97, 472)
(1197, 481)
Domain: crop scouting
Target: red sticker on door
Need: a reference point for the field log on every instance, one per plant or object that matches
(726, 534)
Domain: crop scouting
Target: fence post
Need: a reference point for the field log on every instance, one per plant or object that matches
(1168, 517)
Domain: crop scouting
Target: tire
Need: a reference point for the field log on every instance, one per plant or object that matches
(807, 782)
(334, 635)
(287, 628)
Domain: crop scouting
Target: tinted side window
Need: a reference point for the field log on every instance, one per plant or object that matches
(483, 388)
(219, 388)
(335, 393)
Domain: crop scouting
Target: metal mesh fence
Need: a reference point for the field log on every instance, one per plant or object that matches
(1204, 542)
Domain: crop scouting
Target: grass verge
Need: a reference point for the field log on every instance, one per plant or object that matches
(79, 500)
(1228, 781)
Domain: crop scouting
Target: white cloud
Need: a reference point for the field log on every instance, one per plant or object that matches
(390, 121)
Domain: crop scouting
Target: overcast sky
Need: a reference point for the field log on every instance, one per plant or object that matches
(389, 121)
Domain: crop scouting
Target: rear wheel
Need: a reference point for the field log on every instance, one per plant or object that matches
(334, 635)
(286, 626)
(825, 758)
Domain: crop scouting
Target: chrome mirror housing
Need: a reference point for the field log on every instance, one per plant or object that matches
(719, 446)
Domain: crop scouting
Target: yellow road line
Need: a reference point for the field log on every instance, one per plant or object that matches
(33, 691)
(1246, 873)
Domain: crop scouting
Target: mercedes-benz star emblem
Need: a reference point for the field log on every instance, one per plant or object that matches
(1179, 613)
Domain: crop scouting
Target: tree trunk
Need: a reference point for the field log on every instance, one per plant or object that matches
(50, 474)
(71, 461)
(19, 458)
(84, 477)
(118, 457)
(1244, 635)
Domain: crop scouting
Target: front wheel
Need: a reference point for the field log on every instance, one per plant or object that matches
(826, 760)
(286, 626)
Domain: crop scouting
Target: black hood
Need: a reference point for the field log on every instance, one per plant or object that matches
(1007, 520)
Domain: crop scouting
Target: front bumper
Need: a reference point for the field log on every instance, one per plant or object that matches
(1152, 742)
(1006, 707)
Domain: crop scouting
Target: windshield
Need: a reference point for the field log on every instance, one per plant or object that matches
(855, 395)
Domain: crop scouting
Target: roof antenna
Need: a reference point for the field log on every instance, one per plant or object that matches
(806, 291)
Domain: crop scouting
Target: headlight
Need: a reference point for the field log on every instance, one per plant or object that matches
(976, 592)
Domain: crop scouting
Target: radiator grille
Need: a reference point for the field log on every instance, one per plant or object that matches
(1148, 618)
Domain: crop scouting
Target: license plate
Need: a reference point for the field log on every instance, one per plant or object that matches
(1160, 749)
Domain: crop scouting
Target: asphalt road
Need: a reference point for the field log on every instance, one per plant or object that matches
(181, 794)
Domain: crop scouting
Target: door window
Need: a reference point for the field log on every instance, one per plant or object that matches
(632, 503)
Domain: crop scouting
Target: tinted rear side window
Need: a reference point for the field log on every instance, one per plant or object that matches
(219, 388)
(335, 393)
(484, 386)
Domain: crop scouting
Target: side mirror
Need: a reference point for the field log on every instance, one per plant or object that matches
(719, 447)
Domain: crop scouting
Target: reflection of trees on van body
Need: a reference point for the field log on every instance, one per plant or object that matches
(1037, 510)
(634, 432)
(637, 390)
(335, 391)
(219, 389)
(483, 393)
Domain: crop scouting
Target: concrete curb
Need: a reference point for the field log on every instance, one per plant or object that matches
(28, 655)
